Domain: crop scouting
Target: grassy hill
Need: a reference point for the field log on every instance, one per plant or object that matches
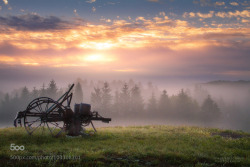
(129, 146)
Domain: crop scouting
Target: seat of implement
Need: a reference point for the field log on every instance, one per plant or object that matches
(82, 109)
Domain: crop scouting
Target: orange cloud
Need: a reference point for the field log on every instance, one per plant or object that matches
(219, 3)
(96, 44)
(206, 15)
(234, 4)
(91, 1)
(244, 13)
(198, 14)
(153, 0)
(5, 2)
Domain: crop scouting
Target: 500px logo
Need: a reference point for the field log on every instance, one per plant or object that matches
(14, 147)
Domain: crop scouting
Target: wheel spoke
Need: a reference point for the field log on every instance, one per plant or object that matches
(39, 107)
(43, 128)
(32, 122)
(46, 108)
(57, 125)
(36, 109)
(53, 127)
(48, 127)
(36, 128)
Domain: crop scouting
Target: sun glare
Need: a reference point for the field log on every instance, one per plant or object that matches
(94, 58)
(97, 58)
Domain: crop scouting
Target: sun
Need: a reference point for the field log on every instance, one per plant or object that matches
(97, 58)
(94, 58)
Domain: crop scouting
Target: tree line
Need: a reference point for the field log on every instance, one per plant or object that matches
(125, 101)
(128, 102)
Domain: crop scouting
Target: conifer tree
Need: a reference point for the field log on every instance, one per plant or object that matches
(152, 105)
(164, 102)
(78, 93)
(210, 109)
(96, 99)
(125, 99)
(137, 105)
(52, 89)
(106, 97)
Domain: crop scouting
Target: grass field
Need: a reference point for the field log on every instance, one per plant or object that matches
(129, 146)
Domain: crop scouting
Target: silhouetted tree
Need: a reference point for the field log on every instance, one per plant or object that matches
(60, 92)
(106, 98)
(25, 97)
(116, 105)
(42, 91)
(210, 110)
(6, 107)
(152, 105)
(52, 90)
(137, 105)
(200, 93)
(6, 98)
(96, 99)
(125, 100)
(34, 93)
(78, 94)
(164, 103)
(185, 107)
(25, 93)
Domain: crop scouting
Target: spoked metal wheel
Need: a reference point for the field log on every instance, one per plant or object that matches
(44, 115)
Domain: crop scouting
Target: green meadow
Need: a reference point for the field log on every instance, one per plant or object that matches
(128, 146)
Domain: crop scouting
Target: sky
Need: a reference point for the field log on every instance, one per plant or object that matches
(157, 40)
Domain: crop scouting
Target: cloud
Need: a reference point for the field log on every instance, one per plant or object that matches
(206, 15)
(136, 33)
(153, 0)
(192, 14)
(223, 35)
(219, 3)
(198, 14)
(243, 13)
(245, 21)
(5, 2)
(203, 2)
(32, 22)
(234, 4)
(157, 46)
(162, 13)
(75, 12)
(210, 3)
(91, 1)
(245, 3)
(93, 9)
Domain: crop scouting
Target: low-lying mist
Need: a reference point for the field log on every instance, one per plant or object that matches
(221, 104)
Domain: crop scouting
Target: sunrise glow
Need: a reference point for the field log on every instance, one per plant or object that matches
(201, 39)
(97, 58)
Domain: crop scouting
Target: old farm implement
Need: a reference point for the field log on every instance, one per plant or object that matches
(45, 114)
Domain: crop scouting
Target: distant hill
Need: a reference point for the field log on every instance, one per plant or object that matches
(228, 83)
